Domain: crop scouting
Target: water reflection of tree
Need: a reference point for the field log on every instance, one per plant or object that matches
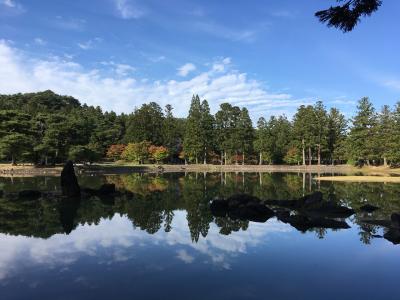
(156, 197)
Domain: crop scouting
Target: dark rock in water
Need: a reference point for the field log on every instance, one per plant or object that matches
(308, 201)
(69, 182)
(219, 207)
(293, 204)
(304, 223)
(29, 194)
(243, 207)
(395, 218)
(329, 210)
(254, 212)
(393, 235)
(241, 199)
(369, 208)
(107, 189)
(383, 223)
(68, 210)
(311, 200)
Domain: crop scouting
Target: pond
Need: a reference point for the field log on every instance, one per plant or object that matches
(159, 240)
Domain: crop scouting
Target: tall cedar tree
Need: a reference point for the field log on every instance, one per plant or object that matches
(226, 120)
(244, 134)
(193, 145)
(361, 141)
(337, 126)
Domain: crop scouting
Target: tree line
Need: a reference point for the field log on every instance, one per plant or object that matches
(45, 128)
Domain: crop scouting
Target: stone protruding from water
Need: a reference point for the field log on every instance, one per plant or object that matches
(242, 207)
(69, 182)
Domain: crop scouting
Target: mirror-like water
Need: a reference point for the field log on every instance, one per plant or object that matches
(162, 242)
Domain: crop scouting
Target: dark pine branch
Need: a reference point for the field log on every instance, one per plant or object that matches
(346, 16)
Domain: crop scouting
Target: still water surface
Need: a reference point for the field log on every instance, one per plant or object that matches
(162, 242)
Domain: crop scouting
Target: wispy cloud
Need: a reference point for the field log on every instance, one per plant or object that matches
(392, 83)
(70, 23)
(120, 69)
(117, 90)
(229, 33)
(9, 3)
(184, 256)
(90, 44)
(12, 6)
(127, 10)
(39, 41)
(186, 69)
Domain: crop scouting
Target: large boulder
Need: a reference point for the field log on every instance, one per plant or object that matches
(69, 182)
(311, 200)
(243, 207)
(395, 220)
(368, 208)
(329, 210)
(219, 207)
(393, 235)
(303, 223)
(254, 212)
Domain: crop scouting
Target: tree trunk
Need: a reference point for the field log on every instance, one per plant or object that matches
(185, 161)
(243, 158)
(222, 158)
(205, 157)
(304, 153)
(197, 161)
(13, 160)
(319, 154)
(309, 156)
(260, 158)
(225, 157)
(385, 162)
(45, 161)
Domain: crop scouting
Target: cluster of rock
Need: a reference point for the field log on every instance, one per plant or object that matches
(392, 227)
(303, 214)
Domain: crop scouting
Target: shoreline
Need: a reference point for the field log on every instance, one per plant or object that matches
(6, 170)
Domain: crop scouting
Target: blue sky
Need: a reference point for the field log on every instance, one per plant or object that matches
(269, 56)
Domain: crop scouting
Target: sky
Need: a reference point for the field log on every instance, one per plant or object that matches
(269, 56)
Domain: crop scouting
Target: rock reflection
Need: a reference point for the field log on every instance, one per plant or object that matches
(150, 203)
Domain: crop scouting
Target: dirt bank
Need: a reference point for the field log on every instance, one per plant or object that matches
(30, 170)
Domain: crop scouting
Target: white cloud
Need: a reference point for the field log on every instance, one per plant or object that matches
(12, 7)
(9, 3)
(233, 34)
(86, 45)
(392, 83)
(185, 257)
(127, 11)
(120, 69)
(186, 69)
(89, 44)
(22, 73)
(40, 41)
